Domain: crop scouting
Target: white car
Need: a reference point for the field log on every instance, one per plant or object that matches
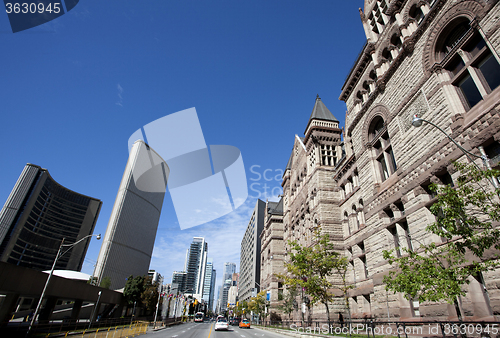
(221, 324)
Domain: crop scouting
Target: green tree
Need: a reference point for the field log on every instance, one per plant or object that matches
(134, 287)
(312, 268)
(149, 295)
(289, 301)
(258, 304)
(465, 219)
(241, 308)
(105, 282)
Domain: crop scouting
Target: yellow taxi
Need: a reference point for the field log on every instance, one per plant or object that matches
(245, 323)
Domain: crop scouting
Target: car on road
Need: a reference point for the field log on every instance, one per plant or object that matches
(234, 321)
(245, 323)
(221, 324)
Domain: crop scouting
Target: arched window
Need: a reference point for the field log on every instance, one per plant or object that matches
(416, 13)
(381, 143)
(386, 54)
(346, 220)
(376, 127)
(366, 87)
(373, 75)
(396, 41)
(355, 212)
(361, 215)
(473, 69)
(359, 96)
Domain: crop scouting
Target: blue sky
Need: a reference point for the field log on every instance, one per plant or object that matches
(73, 90)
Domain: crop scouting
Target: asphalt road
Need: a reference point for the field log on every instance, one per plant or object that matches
(206, 330)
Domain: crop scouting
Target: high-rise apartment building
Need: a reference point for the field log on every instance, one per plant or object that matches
(208, 284)
(179, 282)
(250, 253)
(229, 269)
(37, 215)
(130, 236)
(196, 267)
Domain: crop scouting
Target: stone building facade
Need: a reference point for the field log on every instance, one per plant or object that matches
(438, 59)
(272, 252)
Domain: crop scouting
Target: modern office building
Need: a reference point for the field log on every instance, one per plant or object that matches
(229, 269)
(131, 232)
(179, 282)
(209, 284)
(250, 253)
(196, 266)
(38, 214)
(224, 292)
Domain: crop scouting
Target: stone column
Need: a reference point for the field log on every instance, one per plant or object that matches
(8, 306)
(75, 311)
(46, 311)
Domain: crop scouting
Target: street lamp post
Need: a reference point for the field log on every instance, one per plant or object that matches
(58, 255)
(418, 121)
(160, 291)
(94, 309)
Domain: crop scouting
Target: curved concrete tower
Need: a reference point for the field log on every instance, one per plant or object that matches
(130, 236)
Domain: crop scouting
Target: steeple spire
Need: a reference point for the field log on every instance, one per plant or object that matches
(320, 112)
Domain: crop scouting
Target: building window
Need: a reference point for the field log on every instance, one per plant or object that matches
(394, 232)
(473, 69)
(384, 156)
(346, 221)
(377, 18)
(416, 13)
(386, 54)
(396, 42)
(355, 213)
(327, 155)
(493, 152)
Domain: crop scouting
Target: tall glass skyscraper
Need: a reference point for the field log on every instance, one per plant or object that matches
(209, 284)
(196, 266)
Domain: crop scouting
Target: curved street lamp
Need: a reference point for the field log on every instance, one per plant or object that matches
(418, 121)
(58, 255)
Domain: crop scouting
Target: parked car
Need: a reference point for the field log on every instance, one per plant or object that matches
(245, 323)
(221, 324)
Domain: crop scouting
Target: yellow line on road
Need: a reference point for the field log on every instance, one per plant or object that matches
(210, 332)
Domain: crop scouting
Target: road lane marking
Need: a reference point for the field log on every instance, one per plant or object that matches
(210, 332)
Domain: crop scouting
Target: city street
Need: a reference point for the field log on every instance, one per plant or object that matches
(206, 330)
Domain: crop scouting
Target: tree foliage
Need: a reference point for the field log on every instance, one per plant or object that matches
(467, 216)
(241, 308)
(289, 301)
(134, 287)
(258, 304)
(149, 296)
(105, 282)
(312, 268)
